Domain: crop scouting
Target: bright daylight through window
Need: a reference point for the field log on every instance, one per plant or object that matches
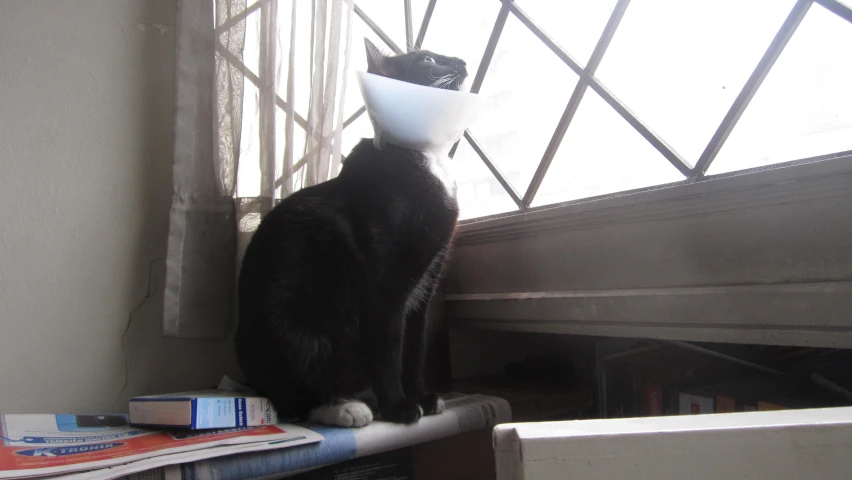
(593, 97)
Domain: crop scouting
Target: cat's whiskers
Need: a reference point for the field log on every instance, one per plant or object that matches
(440, 81)
(446, 81)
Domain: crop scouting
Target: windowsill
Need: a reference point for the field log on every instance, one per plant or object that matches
(760, 256)
(690, 195)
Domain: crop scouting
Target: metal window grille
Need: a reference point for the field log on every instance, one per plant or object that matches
(587, 79)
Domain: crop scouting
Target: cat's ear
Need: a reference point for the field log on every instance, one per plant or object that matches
(375, 59)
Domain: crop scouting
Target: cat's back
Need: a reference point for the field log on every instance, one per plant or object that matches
(309, 228)
(308, 211)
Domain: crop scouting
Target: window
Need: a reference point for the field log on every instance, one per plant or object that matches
(590, 98)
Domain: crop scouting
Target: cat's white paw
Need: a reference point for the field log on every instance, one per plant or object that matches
(440, 405)
(347, 414)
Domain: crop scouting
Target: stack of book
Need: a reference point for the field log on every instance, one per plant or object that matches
(675, 378)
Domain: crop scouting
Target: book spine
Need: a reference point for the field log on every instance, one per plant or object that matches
(240, 414)
(695, 404)
(193, 414)
(218, 412)
(725, 404)
(767, 406)
(266, 413)
(603, 392)
(653, 404)
(232, 412)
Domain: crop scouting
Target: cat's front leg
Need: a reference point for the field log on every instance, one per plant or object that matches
(383, 337)
(414, 349)
(414, 356)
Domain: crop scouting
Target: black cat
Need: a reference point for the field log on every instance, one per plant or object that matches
(335, 283)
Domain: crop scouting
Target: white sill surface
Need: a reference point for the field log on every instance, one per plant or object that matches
(813, 443)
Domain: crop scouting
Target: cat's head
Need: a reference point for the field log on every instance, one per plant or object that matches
(420, 67)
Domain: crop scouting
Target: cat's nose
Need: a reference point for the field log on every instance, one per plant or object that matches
(460, 68)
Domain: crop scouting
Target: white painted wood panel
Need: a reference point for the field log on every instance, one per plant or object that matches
(790, 444)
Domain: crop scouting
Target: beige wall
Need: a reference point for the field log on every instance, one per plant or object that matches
(86, 92)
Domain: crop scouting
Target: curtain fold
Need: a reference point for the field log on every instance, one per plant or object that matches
(260, 88)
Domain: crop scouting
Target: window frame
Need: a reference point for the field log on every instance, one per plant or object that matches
(587, 79)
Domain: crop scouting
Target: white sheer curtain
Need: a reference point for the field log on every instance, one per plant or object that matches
(259, 97)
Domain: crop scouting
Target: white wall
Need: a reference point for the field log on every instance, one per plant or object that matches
(86, 92)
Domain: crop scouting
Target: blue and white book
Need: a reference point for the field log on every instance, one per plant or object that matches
(201, 410)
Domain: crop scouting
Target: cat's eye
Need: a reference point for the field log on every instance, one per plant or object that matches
(428, 59)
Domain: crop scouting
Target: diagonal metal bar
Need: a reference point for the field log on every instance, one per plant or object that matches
(664, 148)
(247, 73)
(378, 31)
(427, 17)
(494, 169)
(409, 34)
(239, 17)
(571, 109)
(296, 166)
(794, 18)
(655, 140)
(354, 116)
(544, 37)
(487, 55)
(490, 47)
(841, 9)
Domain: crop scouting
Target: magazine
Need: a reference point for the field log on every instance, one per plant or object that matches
(44, 445)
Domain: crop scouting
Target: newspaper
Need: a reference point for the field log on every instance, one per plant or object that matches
(44, 445)
(463, 413)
